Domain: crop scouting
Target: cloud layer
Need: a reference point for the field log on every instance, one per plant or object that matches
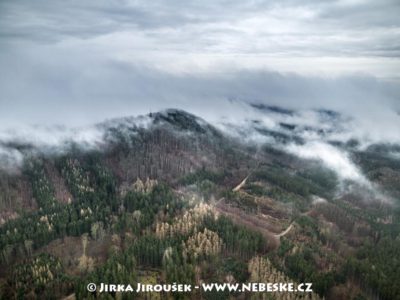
(76, 63)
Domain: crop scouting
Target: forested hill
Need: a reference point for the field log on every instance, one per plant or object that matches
(154, 200)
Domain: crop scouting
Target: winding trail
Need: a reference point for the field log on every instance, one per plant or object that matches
(240, 185)
(283, 233)
(251, 221)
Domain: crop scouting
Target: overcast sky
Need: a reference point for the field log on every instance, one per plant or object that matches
(77, 62)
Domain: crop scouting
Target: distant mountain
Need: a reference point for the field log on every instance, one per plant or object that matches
(273, 109)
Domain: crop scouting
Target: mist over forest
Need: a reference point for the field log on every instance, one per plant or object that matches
(226, 142)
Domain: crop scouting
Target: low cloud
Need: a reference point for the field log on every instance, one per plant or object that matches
(49, 95)
(10, 159)
(75, 64)
(17, 143)
(336, 159)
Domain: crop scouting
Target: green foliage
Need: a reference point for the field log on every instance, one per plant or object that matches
(245, 202)
(176, 268)
(99, 209)
(162, 201)
(284, 247)
(378, 266)
(256, 189)
(149, 251)
(42, 189)
(237, 268)
(201, 175)
(119, 268)
(286, 181)
(322, 181)
(239, 240)
(301, 265)
(95, 205)
(36, 276)
(315, 181)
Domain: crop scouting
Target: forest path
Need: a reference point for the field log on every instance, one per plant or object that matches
(241, 184)
(283, 233)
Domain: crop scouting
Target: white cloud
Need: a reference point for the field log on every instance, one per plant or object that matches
(10, 158)
(15, 144)
(334, 158)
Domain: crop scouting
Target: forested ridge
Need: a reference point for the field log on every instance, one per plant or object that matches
(157, 205)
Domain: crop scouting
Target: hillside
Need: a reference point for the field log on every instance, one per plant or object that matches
(169, 197)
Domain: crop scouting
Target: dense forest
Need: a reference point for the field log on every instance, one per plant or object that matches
(159, 205)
